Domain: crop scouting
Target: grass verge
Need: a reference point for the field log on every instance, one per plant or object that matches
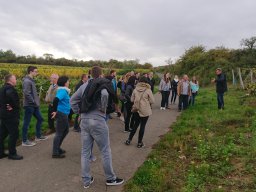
(206, 149)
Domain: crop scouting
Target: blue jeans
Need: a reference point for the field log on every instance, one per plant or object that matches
(95, 130)
(220, 99)
(192, 98)
(29, 111)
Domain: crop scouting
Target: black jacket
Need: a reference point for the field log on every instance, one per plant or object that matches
(79, 85)
(9, 95)
(221, 83)
(151, 82)
(174, 85)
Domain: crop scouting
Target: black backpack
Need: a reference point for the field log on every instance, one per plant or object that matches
(89, 104)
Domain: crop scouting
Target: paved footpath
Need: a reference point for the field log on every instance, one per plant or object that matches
(38, 172)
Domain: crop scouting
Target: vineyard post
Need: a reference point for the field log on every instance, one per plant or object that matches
(240, 77)
(233, 76)
(251, 74)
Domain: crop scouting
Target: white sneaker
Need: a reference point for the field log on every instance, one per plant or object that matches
(42, 138)
(163, 108)
(28, 144)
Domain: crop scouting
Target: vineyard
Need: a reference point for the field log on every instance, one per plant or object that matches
(45, 71)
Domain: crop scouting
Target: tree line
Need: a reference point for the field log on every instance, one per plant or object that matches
(9, 56)
(199, 61)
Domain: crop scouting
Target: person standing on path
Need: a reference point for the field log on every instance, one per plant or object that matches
(143, 98)
(95, 96)
(10, 116)
(221, 87)
(84, 79)
(174, 85)
(61, 108)
(164, 89)
(129, 122)
(50, 95)
(31, 104)
(184, 91)
(151, 81)
(194, 90)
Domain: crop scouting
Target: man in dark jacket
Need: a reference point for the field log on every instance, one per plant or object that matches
(151, 81)
(9, 114)
(221, 87)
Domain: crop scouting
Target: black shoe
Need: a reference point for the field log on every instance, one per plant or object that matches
(88, 185)
(3, 156)
(119, 114)
(114, 182)
(58, 156)
(62, 151)
(127, 142)
(15, 157)
(140, 145)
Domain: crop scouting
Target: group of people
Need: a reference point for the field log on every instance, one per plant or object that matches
(94, 99)
(183, 88)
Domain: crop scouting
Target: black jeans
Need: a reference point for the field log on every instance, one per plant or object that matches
(165, 98)
(76, 123)
(9, 127)
(142, 121)
(128, 108)
(62, 128)
(183, 102)
(174, 95)
(50, 120)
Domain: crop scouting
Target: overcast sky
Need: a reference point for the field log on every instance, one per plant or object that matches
(149, 30)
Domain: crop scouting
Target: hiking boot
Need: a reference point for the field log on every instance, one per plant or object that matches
(86, 186)
(41, 138)
(28, 143)
(140, 145)
(3, 156)
(127, 142)
(114, 182)
(58, 156)
(15, 157)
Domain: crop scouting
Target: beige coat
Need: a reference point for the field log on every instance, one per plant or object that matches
(51, 93)
(143, 89)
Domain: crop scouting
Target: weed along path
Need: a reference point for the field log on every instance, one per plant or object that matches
(38, 172)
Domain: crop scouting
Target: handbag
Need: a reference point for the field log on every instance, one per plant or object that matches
(135, 108)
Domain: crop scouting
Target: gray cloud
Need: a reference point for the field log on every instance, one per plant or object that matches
(149, 30)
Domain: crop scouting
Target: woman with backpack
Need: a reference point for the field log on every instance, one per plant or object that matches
(143, 98)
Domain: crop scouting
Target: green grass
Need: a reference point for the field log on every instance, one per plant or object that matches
(206, 149)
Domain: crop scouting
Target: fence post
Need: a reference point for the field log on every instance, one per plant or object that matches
(233, 76)
(240, 78)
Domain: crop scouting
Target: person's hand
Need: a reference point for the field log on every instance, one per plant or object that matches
(213, 80)
(54, 114)
(8, 107)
